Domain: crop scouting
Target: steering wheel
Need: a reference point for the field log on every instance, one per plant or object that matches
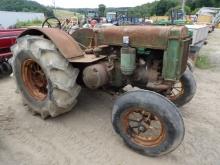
(48, 22)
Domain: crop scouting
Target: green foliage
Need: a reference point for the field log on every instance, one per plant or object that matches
(193, 12)
(159, 7)
(101, 10)
(22, 24)
(194, 4)
(162, 7)
(25, 6)
(155, 8)
(61, 14)
(203, 62)
(186, 9)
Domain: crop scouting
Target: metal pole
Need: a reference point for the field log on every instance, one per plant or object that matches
(183, 8)
(54, 4)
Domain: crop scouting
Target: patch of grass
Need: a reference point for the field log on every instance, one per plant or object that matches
(203, 62)
(22, 24)
(61, 14)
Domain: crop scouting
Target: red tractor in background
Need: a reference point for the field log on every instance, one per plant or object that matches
(7, 39)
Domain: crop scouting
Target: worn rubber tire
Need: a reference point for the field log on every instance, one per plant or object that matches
(7, 69)
(189, 86)
(1, 71)
(190, 65)
(160, 106)
(61, 76)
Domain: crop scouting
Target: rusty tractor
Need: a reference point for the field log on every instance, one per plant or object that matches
(50, 67)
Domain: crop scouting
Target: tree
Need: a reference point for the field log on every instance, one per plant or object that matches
(164, 5)
(24, 5)
(187, 9)
(194, 4)
(101, 10)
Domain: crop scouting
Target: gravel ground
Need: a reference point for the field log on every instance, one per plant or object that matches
(85, 135)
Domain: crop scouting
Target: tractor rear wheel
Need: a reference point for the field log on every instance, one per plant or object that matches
(46, 80)
(148, 122)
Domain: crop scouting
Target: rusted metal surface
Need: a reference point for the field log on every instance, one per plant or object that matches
(157, 86)
(84, 36)
(155, 37)
(67, 46)
(95, 76)
(143, 127)
(34, 79)
(178, 32)
(87, 58)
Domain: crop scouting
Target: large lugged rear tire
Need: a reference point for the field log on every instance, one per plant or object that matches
(46, 80)
(148, 122)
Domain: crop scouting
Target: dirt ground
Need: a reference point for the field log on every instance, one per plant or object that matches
(85, 135)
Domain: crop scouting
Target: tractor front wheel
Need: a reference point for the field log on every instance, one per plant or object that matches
(46, 80)
(148, 122)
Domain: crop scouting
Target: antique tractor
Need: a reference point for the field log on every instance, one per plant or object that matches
(50, 67)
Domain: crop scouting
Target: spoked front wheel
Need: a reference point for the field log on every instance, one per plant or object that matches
(184, 90)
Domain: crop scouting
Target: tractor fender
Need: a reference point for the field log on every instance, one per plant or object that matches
(67, 45)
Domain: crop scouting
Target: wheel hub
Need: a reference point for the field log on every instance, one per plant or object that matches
(143, 127)
(34, 79)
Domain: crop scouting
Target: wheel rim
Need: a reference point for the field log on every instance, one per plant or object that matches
(34, 79)
(177, 90)
(143, 127)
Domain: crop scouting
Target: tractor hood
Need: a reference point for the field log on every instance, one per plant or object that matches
(154, 37)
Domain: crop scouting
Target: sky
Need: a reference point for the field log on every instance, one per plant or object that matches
(93, 3)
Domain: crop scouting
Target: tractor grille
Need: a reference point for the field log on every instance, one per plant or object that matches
(185, 51)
